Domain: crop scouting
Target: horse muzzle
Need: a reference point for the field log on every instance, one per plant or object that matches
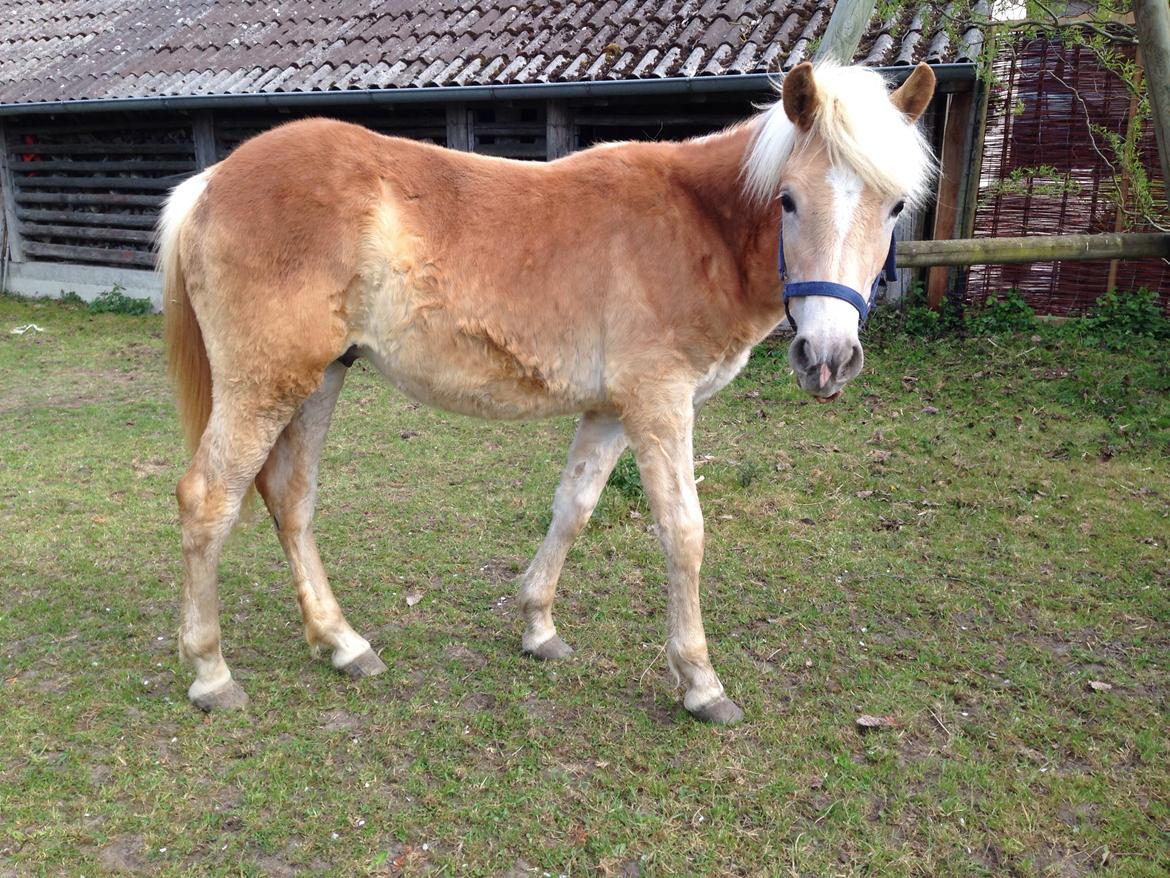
(824, 367)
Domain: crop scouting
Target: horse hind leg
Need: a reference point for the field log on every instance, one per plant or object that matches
(288, 484)
(234, 445)
(596, 448)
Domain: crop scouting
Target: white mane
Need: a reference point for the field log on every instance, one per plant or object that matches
(859, 127)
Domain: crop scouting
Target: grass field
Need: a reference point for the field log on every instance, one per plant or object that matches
(964, 541)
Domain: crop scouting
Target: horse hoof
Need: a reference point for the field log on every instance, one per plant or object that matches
(365, 665)
(227, 697)
(553, 648)
(721, 712)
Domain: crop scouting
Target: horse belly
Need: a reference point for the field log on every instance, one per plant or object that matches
(720, 375)
(456, 363)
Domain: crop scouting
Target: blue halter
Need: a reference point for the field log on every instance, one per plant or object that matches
(889, 273)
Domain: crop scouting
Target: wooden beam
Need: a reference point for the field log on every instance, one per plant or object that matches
(1153, 27)
(86, 218)
(459, 127)
(843, 34)
(946, 212)
(1037, 248)
(87, 233)
(560, 134)
(8, 199)
(119, 256)
(203, 135)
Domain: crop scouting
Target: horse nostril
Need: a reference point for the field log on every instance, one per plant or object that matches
(803, 355)
(852, 364)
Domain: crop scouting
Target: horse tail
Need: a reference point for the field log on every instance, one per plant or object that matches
(187, 363)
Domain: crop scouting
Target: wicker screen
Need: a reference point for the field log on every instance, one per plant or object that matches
(1043, 112)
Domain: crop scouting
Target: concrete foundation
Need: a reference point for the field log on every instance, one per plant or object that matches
(54, 279)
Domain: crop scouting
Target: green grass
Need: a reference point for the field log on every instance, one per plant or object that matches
(970, 535)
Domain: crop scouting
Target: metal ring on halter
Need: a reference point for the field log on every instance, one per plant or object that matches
(888, 274)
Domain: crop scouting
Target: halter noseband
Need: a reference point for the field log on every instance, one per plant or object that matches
(889, 273)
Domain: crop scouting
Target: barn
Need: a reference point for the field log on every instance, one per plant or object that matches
(105, 106)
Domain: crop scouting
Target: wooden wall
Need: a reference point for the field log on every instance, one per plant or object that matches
(86, 188)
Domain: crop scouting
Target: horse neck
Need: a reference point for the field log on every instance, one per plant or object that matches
(710, 168)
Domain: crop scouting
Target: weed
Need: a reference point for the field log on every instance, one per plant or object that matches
(1009, 313)
(1119, 318)
(625, 478)
(115, 301)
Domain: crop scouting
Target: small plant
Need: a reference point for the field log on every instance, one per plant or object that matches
(998, 315)
(115, 301)
(1119, 317)
(747, 473)
(71, 298)
(626, 479)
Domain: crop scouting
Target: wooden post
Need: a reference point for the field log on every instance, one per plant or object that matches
(8, 197)
(203, 134)
(459, 127)
(1153, 27)
(1123, 195)
(946, 211)
(1034, 248)
(560, 135)
(843, 34)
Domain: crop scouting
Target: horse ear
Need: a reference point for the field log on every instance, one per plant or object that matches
(799, 93)
(912, 96)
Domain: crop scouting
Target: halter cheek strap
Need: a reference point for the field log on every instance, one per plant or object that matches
(888, 274)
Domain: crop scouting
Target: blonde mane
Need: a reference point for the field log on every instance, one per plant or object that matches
(858, 126)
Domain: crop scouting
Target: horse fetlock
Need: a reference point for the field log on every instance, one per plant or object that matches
(348, 647)
(692, 669)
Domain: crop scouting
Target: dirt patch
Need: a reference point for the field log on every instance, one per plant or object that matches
(478, 701)
(457, 652)
(499, 570)
(340, 721)
(124, 855)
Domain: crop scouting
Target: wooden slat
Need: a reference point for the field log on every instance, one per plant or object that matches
(85, 233)
(89, 254)
(87, 218)
(160, 184)
(509, 129)
(101, 200)
(634, 120)
(19, 166)
(93, 148)
(139, 124)
(512, 150)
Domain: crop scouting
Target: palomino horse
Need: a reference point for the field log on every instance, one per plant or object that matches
(627, 282)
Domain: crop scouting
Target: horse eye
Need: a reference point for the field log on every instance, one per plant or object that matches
(787, 203)
(898, 208)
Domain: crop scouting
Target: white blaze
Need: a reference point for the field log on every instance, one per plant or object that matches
(846, 187)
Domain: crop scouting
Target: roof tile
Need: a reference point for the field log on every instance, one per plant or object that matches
(90, 49)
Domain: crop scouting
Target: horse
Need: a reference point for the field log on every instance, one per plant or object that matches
(626, 283)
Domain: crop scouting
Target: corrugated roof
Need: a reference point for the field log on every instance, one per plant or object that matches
(57, 50)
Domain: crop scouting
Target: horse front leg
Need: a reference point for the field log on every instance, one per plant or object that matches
(597, 446)
(662, 444)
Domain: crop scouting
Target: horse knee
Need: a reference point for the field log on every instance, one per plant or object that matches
(203, 509)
